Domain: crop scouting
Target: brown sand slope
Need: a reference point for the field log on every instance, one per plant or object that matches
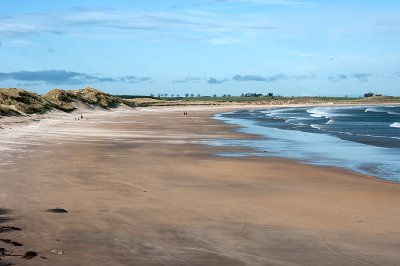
(140, 189)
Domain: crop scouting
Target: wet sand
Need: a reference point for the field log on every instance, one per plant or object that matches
(140, 188)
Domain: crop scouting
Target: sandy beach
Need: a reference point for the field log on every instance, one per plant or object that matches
(142, 188)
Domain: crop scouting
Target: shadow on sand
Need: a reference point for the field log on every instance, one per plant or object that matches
(4, 218)
(3, 215)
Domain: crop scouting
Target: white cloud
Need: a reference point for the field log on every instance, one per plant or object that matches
(195, 25)
(215, 26)
(314, 56)
(17, 43)
(268, 2)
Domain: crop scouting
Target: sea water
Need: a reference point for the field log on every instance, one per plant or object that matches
(365, 139)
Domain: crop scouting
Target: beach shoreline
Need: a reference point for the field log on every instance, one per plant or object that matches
(141, 188)
(329, 136)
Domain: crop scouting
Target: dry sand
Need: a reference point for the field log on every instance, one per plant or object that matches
(141, 189)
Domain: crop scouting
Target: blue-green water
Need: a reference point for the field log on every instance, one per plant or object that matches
(365, 139)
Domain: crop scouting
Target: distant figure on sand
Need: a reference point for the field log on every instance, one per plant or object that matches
(81, 116)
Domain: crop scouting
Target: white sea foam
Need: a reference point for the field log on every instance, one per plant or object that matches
(378, 109)
(338, 145)
(395, 124)
(294, 121)
(375, 109)
(318, 112)
(316, 126)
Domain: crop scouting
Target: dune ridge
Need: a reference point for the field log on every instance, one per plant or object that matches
(16, 101)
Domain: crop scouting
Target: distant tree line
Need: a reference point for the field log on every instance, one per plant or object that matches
(269, 94)
(371, 94)
(165, 95)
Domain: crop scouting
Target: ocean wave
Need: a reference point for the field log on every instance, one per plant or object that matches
(318, 112)
(375, 136)
(294, 121)
(353, 123)
(383, 109)
(329, 112)
(316, 126)
(375, 109)
(270, 115)
(395, 124)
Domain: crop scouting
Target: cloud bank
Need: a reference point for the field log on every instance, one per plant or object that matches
(63, 77)
(273, 78)
(216, 81)
(338, 77)
(238, 77)
(102, 23)
(361, 77)
(188, 80)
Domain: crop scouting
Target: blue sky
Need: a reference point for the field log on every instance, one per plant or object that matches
(289, 47)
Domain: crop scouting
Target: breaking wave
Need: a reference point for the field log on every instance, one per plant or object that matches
(395, 124)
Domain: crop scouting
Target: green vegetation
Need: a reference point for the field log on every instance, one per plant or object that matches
(61, 99)
(252, 98)
(97, 98)
(22, 101)
(380, 99)
(18, 101)
(6, 111)
(206, 100)
(65, 100)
